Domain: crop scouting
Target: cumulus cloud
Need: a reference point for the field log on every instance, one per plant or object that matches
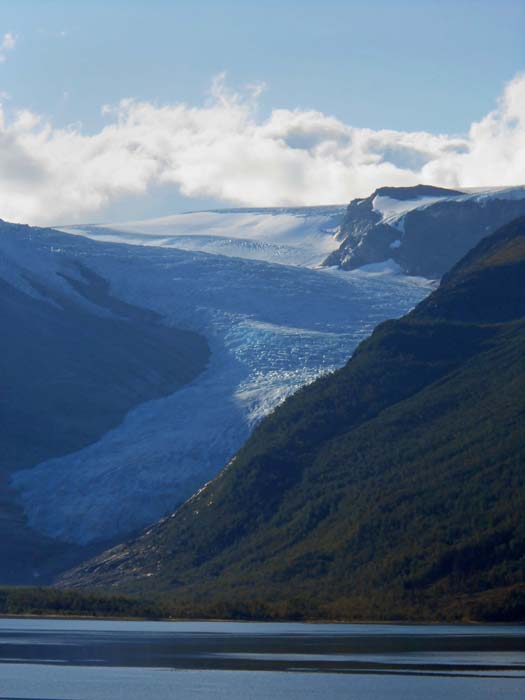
(7, 44)
(224, 151)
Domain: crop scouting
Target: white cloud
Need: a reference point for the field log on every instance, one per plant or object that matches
(7, 44)
(223, 150)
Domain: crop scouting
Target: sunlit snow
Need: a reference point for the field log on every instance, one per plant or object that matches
(302, 236)
(393, 210)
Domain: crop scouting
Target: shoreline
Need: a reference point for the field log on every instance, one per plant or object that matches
(393, 623)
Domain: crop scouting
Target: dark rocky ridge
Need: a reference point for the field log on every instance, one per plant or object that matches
(432, 239)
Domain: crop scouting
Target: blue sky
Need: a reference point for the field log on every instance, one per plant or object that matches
(402, 65)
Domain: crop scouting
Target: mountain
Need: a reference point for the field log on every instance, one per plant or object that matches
(74, 361)
(130, 374)
(392, 487)
(424, 230)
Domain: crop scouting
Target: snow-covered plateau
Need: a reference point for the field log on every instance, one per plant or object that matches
(271, 327)
(303, 236)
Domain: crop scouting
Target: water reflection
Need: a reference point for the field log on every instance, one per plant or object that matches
(489, 651)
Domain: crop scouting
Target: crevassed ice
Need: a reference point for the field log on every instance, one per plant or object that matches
(271, 329)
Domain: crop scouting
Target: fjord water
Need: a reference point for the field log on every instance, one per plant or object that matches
(98, 660)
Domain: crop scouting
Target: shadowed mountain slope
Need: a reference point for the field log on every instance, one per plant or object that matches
(74, 361)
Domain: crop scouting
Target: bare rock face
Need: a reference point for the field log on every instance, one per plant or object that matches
(425, 230)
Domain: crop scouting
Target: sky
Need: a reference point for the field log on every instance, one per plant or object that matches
(122, 110)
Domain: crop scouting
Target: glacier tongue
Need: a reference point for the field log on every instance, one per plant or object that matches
(271, 329)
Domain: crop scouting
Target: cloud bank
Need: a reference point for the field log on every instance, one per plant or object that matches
(225, 151)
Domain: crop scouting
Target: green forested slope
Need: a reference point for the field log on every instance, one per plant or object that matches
(394, 487)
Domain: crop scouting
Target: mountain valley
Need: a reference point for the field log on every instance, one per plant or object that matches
(393, 487)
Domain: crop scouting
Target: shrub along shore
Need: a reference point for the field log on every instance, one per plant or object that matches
(505, 605)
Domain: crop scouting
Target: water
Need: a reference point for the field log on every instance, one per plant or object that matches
(102, 660)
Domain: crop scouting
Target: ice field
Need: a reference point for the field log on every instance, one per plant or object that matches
(271, 328)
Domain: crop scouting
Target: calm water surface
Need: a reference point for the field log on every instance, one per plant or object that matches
(102, 660)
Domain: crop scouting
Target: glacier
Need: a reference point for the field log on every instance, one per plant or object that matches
(274, 320)
(302, 236)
